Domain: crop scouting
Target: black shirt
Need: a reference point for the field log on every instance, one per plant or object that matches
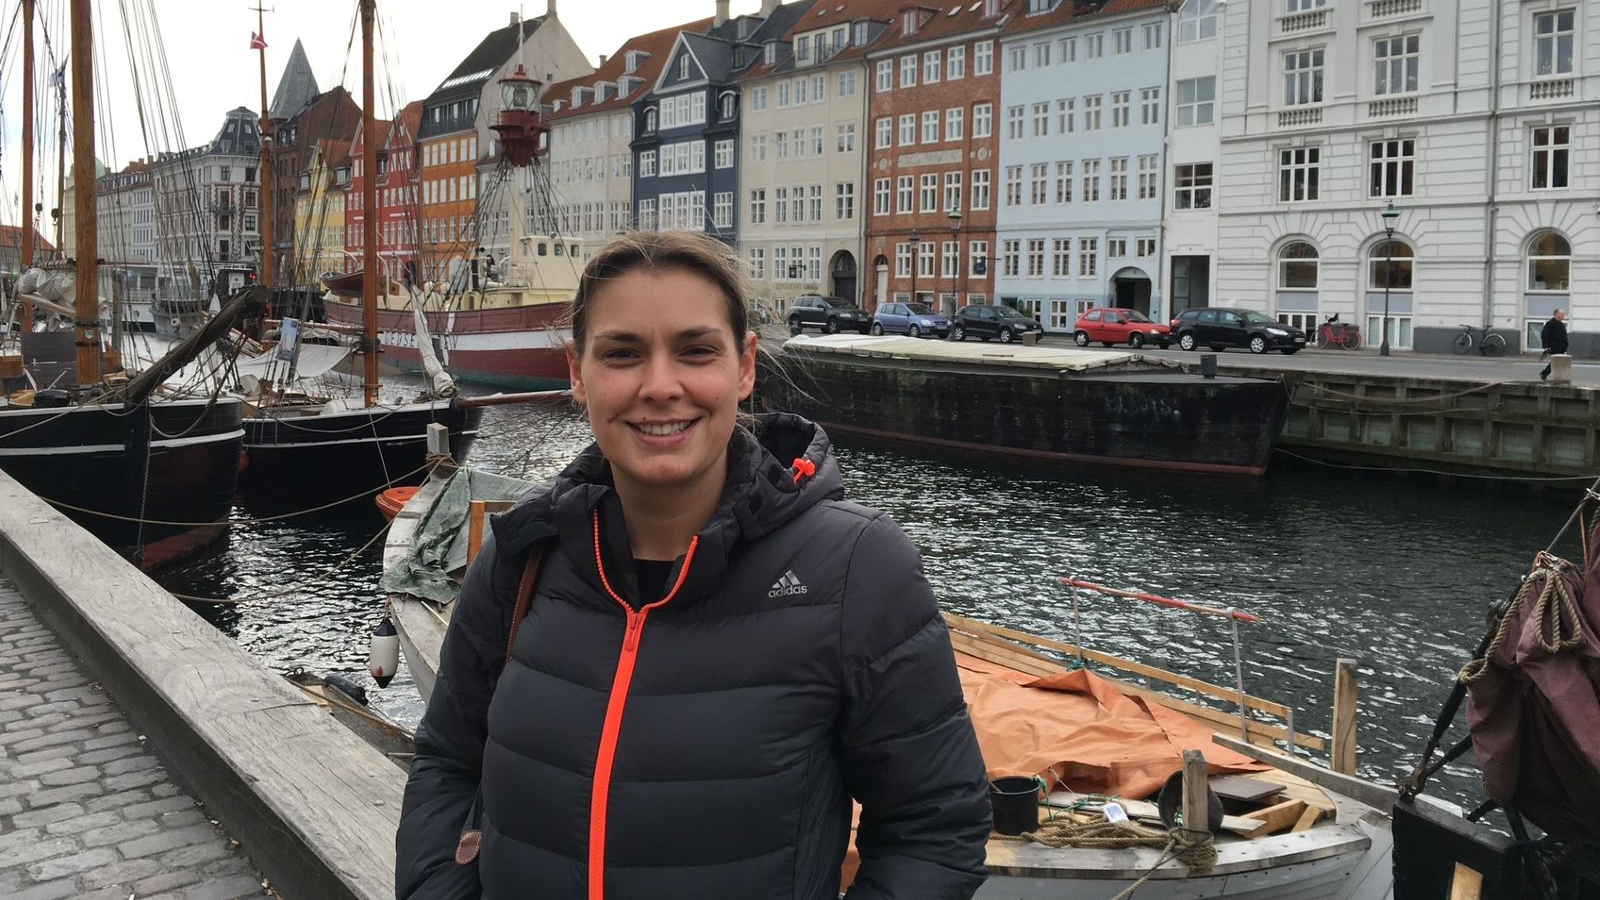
(653, 575)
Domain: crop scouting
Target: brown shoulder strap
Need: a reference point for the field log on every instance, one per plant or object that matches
(530, 582)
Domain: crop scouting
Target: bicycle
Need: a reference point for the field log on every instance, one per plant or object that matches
(1492, 343)
(1334, 333)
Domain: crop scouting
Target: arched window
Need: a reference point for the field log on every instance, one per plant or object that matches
(650, 120)
(1391, 279)
(1549, 283)
(1296, 290)
(727, 106)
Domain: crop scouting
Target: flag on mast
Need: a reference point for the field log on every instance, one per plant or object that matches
(257, 42)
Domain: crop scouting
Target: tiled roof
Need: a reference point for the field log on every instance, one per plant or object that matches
(497, 46)
(11, 236)
(297, 88)
(946, 20)
(1084, 11)
(657, 44)
(234, 137)
(714, 55)
(828, 13)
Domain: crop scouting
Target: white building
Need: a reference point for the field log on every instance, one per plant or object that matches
(1082, 120)
(208, 207)
(1477, 120)
(1193, 148)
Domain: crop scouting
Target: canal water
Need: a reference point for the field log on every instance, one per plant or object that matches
(1395, 573)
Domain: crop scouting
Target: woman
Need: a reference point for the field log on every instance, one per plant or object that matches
(719, 654)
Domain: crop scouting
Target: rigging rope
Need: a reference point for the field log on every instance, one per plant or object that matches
(1197, 850)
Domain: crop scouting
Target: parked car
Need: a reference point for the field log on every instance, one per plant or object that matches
(1119, 326)
(1223, 328)
(915, 319)
(831, 314)
(987, 322)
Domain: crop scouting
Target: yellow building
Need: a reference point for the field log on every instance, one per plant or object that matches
(319, 214)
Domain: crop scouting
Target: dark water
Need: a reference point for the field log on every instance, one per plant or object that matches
(1393, 573)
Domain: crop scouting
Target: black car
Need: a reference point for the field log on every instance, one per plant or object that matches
(1220, 329)
(987, 322)
(831, 314)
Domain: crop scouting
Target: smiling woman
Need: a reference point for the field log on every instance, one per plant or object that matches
(795, 659)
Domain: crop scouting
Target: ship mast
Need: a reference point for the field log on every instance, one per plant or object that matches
(369, 204)
(27, 145)
(87, 308)
(61, 166)
(265, 131)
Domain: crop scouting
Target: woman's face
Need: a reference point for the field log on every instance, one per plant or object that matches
(662, 374)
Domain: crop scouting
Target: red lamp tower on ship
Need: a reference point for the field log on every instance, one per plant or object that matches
(520, 123)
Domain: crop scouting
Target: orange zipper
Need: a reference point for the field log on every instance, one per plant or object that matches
(615, 706)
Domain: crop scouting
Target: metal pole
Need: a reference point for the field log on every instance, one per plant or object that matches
(916, 260)
(1238, 678)
(1077, 626)
(1388, 279)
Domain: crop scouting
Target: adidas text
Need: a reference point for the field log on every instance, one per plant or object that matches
(787, 586)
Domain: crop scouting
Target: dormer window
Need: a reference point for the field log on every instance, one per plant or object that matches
(683, 66)
(802, 49)
(908, 21)
(991, 8)
(1040, 6)
(633, 61)
(727, 107)
(861, 34)
(577, 96)
(770, 56)
(650, 120)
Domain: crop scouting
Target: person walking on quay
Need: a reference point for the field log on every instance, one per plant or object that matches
(1554, 339)
(720, 652)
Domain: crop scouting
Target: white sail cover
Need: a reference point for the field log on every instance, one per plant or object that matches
(315, 360)
(443, 384)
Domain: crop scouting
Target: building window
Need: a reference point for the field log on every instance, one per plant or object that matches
(908, 71)
(1550, 264)
(1041, 120)
(931, 65)
(1119, 178)
(815, 196)
(1297, 267)
(722, 209)
(650, 120)
(952, 190)
(982, 120)
(1146, 247)
(884, 82)
(978, 256)
(1302, 77)
(902, 260)
(1393, 165)
(1010, 258)
(1550, 154)
(925, 259)
(1147, 177)
(845, 137)
(930, 126)
(1091, 181)
(955, 124)
(1091, 112)
(1013, 185)
(1065, 115)
(1150, 106)
(955, 64)
(1116, 248)
(1553, 37)
(980, 189)
(949, 259)
(1036, 257)
(758, 206)
(1390, 265)
(908, 129)
(1061, 257)
(844, 200)
(1122, 41)
(1038, 183)
(758, 99)
(1152, 36)
(1192, 188)
(757, 257)
(1017, 59)
(1014, 127)
(883, 130)
(1094, 46)
(1395, 63)
(724, 154)
(847, 84)
(1064, 181)
(983, 58)
(1298, 168)
(880, 197)
(904, 194)
(1119, 108)
(647, 164)
(1088, 257)
(930, 192)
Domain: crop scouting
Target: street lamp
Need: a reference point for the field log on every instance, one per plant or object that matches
(955, 236)
(916, 259)
(1390, 214)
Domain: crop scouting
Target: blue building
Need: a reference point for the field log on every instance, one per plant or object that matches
(686, 130)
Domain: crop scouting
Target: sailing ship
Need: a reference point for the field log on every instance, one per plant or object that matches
(495, 322)
(347, 445)
(1298, 829)
(147, 468)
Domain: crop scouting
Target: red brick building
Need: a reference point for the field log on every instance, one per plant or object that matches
(933, 151)
(399, 207)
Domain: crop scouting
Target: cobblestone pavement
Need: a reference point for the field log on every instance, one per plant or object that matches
(87, 809)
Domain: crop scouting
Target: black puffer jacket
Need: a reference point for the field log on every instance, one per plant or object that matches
(705, 747)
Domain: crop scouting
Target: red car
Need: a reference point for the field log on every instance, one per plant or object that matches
(1120, 326)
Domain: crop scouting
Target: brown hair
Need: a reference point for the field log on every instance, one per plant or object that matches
(660, 250)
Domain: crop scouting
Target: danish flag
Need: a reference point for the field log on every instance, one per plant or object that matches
(257, 42)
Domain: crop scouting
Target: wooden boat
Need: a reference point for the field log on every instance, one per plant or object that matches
(1335, 845)
(397, 743)
(1057, 404)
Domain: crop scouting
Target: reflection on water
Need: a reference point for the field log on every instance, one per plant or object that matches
(1395, 574)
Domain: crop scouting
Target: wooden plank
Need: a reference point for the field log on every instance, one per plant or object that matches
(1196, 799)
(315, 806)
(1277, 818)
(477, 511)
(1344, 717)
(1357, 789)
(1241, 787)
(1466, 883)
(1307, 819)
(1126, 665)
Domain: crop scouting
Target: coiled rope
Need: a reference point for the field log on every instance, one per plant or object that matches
(1197, 850)
(1560, 627)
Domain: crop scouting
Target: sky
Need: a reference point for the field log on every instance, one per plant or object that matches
(213, 70)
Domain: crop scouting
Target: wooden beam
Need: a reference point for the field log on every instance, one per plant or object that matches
(478, 510)
(1307, 819)
(1358, 789)
(1344, 717)
(1277, 818)
(1196, 796)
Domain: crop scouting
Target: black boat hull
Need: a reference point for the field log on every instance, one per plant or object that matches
(79, 458)
(350, 453)
(1132, 416)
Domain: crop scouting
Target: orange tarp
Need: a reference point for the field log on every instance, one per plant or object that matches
(1081, 733)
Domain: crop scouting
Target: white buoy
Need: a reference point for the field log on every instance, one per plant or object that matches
(384, 658)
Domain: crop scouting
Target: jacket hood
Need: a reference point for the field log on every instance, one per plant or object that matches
(777, 470)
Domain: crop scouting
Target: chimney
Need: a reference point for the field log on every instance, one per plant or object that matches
(550, 9)
(722, 13)
(768, 7)
(602, 60)
(516, 17)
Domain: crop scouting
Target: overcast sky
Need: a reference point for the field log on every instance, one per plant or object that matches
(213, 70)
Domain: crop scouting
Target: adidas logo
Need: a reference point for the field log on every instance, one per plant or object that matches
(787, 586)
